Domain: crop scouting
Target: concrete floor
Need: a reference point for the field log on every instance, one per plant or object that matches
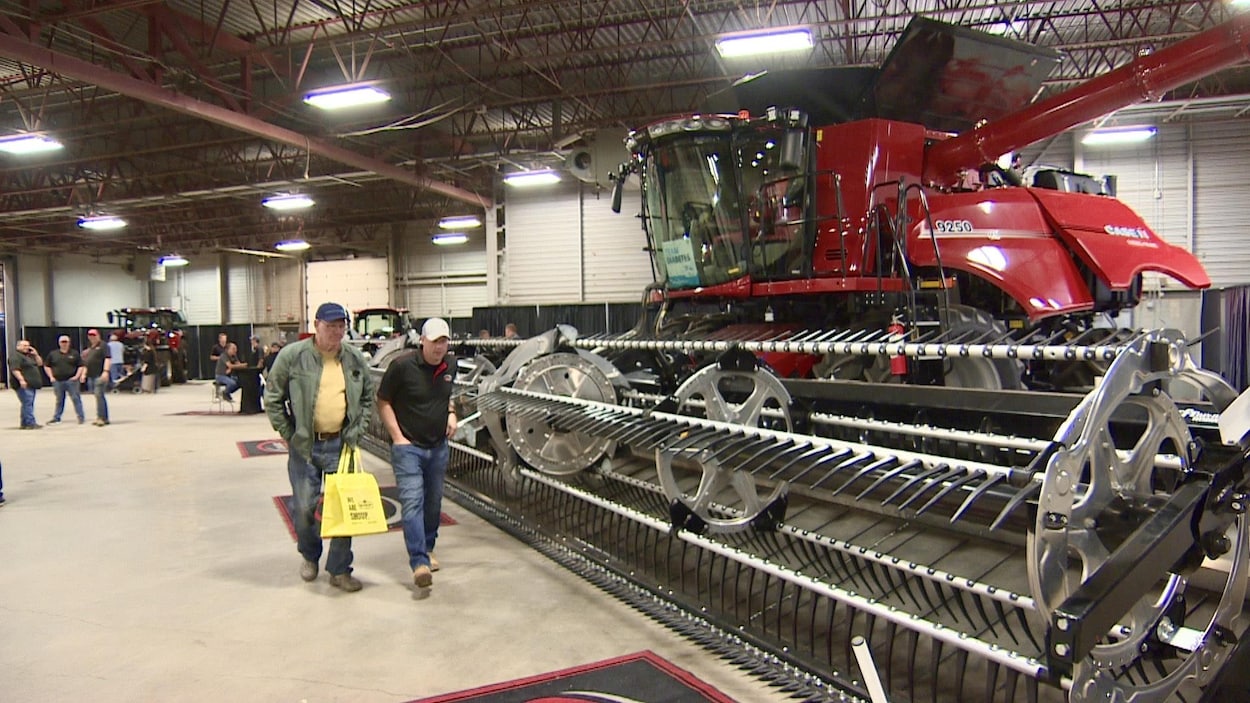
(145, 561)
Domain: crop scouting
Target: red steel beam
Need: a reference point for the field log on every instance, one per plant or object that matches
(19, 49)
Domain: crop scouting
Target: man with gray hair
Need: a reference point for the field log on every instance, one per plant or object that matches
(65, 369)
(320, 399)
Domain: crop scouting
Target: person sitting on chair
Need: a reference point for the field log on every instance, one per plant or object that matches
(226, 365)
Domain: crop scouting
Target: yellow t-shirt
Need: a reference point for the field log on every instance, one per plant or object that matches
(331, 407)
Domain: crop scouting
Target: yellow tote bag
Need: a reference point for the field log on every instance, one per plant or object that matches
(353, 503)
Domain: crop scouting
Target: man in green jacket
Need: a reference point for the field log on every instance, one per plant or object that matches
(319, 397)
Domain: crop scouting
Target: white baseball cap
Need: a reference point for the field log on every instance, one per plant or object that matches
(435, 328)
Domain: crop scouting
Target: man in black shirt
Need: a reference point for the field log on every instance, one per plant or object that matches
(96, 358)
(65, 370)
(25, 379)
(414, 402)
(219, 348)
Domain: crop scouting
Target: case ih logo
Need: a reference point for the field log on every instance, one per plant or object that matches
(1129, 232)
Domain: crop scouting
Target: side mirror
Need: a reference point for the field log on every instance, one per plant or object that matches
(618, 191)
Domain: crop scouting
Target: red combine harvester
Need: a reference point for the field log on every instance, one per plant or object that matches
(874, 216)
(163, 328)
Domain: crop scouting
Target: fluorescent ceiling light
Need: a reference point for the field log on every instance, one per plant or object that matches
(524, 179)
(292, 245)
(450, 238)
(346, 96)
(1122, 135)
(767, 42)
(172, 260)
(462, 222)
(28, 144)
(101, 223)
(287, 202)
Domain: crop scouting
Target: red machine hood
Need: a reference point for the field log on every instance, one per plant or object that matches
(1114, 242)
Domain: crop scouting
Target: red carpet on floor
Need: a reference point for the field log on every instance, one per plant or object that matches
(264, 447)
(634, 678)
(390, 505)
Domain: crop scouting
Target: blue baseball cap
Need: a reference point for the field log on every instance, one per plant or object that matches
(332, 312)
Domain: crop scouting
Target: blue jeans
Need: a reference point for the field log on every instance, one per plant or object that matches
(305, 488)
(419, 476)
(70, 387)
(26, 396)
(116, 371)
(230, 384)
(99, 388)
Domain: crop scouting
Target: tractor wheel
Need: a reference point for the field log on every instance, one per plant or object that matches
(162, 365)
(178, 366)
(965, 323)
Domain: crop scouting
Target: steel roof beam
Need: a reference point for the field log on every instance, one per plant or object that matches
(21, 50)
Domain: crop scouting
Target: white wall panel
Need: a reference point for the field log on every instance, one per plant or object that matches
(199, 293)
(1222, 200)
(616, 266)
(441, 281)
(74, 290)
(544, 248)
(353, 283)
(565, 245)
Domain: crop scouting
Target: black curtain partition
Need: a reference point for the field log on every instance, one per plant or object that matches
(591, 318)
(1236, 321)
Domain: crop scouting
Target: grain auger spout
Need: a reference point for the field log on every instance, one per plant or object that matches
(1147, 78)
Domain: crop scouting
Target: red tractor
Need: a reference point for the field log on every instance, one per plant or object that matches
(873, 214)
(160, 326)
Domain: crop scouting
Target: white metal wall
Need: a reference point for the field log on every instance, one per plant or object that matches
(195, 290)
(616, 263)
(441, 281)
(353, 283)
(544, 247)
(74, 290)
(263, 290)
(1222, 200)
(565, 245)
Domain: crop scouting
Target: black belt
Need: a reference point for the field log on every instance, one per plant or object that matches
(326, 436)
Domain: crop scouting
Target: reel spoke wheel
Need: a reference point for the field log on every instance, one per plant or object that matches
(1106, 481)
(537, 439)
(725, 500)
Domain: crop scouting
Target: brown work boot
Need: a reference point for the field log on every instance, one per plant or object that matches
(422, 577)
(308, 570)
(347, 582)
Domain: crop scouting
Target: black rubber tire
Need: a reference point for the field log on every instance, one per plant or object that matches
(979, 372)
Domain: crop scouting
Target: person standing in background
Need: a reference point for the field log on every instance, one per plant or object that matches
(255, 355)
(26, 379)
(64, 366)
(219, 348)
(415, 406)
(509, 331)
(96, 364)
(117, 360)
(149, 379)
